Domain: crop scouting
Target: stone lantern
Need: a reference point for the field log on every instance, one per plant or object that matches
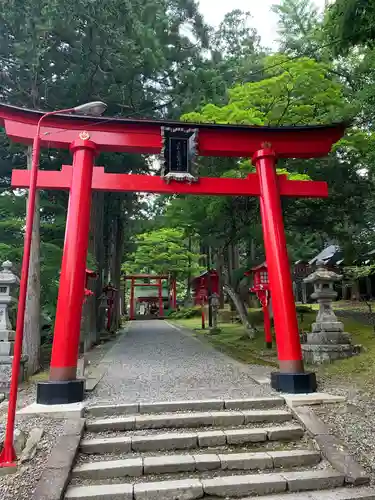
(8, 280)
(327, 340)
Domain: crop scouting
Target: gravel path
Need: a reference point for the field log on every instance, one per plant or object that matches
(353, 421)
(156, 361)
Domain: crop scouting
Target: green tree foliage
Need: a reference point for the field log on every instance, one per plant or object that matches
(350, 23)
(137, 56)
(163, 251)
(294, 92)
(298, 27)
(298, 91)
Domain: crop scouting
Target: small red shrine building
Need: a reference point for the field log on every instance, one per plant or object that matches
(260, 277)
(208, 280)
(261, 287)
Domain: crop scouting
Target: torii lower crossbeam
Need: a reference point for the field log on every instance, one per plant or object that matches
(214, 186)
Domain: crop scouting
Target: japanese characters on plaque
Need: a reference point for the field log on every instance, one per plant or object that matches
(179, 153)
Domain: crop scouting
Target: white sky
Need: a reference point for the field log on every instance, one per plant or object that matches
(263, 20)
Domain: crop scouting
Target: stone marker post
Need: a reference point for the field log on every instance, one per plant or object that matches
(8, 281)
(215, 303)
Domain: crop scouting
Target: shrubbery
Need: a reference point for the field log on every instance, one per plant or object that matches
(186, 313)
(303, 309)
(256, 317)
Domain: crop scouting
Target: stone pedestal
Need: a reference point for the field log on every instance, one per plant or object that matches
(319, 353)
(7, 334)
(6, 372)
(327, 341)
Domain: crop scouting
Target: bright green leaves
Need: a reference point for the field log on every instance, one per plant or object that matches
(294, 92)
(163, 251)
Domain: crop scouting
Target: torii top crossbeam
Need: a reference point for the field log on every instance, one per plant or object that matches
(144, 136)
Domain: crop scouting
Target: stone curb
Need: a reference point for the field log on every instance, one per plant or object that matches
(170, 464)
(187, 405)
(191, 440)
(331, 447)
(56, 475)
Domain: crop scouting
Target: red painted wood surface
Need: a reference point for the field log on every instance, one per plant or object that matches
(73, 267)
(144, 136)
(155, 184)
(284, 310)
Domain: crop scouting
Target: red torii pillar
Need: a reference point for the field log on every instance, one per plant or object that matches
(63, 385)
(284, 312)
(145, 137)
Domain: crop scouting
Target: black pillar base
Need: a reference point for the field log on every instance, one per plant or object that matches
(269, 345)
(294, 383)
(60, 392)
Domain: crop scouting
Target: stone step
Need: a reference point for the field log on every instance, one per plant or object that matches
(188, 420)
(223, 487)
(190, 440)
(187, 405)
(336, 494)
(171, 464)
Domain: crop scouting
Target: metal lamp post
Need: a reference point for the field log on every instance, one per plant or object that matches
(96, 108)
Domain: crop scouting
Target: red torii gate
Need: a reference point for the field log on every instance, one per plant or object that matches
(159, 278)
(86, 136)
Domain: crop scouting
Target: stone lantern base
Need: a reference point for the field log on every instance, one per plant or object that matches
(315, 354)
(6, 360)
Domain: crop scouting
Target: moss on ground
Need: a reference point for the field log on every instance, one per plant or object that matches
(233, 340)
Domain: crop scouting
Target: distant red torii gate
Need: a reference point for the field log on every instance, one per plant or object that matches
(86, 136)
(159, 278)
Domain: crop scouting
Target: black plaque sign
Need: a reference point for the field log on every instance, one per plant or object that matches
(179, 149)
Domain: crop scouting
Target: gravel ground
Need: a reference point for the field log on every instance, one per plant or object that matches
(20, 486)
(155, 361)
(353, 422)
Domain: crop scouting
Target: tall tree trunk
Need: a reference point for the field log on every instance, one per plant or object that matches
(98, 224)
(236, 257)
(90, 307)
(31, 342)
(240, 308)
(230, 264)
(117, 261)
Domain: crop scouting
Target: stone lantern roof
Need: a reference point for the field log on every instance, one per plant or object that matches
(322, 274)
(7, 277)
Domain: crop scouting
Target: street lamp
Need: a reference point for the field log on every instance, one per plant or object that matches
(8, 454)
(94, 108)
